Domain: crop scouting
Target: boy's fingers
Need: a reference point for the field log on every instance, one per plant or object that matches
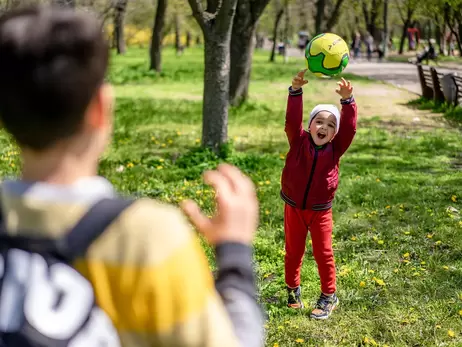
(301, 73)
(219, 182)
(197, 218)
(236, 179)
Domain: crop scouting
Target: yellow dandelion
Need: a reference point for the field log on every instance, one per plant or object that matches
(130, 165)
(438, 242)
(198, 192)
(178, 133)
(460, 313)
(446, 267)
(387, 207)
(267, 212)
(153, 138)
(160, 167)
(395, 271)
(422, 263)
(429, 236)
(198, 140)
(310, 242)
(362, 284)
(380, 242)
(353, 238)
(163, 145)
(371, 271)
(407, 233)
(280, 327)
(454, 198)
(161, 160)
(299, 340)
(282, 156)
(451, 333)
(276, 344)
(377, 180)
(260, 183)
(268, 182)
(406, 255)
(379, 281)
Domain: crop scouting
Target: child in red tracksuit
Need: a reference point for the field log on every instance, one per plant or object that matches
(309, 181)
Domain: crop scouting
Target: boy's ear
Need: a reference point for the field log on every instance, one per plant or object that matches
(99, 112)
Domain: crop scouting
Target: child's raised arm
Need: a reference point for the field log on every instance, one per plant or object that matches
(294, 113)
(348, 118)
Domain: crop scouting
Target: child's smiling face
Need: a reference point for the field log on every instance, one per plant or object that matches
(322, 128)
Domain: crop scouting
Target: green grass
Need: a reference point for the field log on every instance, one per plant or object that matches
(452, 113)
(397, 234)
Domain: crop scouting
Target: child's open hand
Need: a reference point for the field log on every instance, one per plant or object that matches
(299, 80)
(345, 90)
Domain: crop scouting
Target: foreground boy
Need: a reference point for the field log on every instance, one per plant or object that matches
(149, 274)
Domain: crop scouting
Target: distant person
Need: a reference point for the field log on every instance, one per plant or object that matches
(369, 41)
(309, 182)
(138, 260)
(356, 45)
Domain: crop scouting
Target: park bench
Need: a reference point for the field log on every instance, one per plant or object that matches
(430, 81)
(458, 84)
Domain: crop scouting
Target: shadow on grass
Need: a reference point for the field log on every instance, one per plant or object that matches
(451, 113)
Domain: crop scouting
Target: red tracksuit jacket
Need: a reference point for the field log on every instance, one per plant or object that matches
(310, 175)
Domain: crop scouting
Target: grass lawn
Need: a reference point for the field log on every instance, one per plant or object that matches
(398, 226)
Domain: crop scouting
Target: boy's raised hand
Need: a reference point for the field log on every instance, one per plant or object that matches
(299, 80)
(345, 90)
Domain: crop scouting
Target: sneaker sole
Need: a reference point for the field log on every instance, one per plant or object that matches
(296, 306)
(325, 317)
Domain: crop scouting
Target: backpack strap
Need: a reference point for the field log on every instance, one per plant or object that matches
(76, 242)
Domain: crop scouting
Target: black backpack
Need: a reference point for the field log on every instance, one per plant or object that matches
(44, 301)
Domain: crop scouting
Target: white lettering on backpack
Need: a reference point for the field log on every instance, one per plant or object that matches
(55, 300)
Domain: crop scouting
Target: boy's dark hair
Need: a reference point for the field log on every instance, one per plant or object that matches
(52, 62)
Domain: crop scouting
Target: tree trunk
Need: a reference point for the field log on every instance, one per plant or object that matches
(241, 63)
(216, 91)
(216, 24)
(320, 8)
(156, 39)
(277, 21)
(403, 37)
(177, 34)
(385, 28)
(119, 26)
(242, 47)
(459, 38)
(188, 39)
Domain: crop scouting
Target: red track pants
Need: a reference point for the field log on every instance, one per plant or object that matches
(297, 222)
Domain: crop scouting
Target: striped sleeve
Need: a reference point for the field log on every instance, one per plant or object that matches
(156, 284)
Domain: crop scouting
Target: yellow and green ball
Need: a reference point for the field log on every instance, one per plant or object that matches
(327, 55)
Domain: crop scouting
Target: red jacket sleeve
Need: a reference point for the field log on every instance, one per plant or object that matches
(294, 115)
(347, 129)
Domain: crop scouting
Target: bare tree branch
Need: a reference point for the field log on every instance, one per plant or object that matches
(198, 12)
(335, 15)
(400, 11)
